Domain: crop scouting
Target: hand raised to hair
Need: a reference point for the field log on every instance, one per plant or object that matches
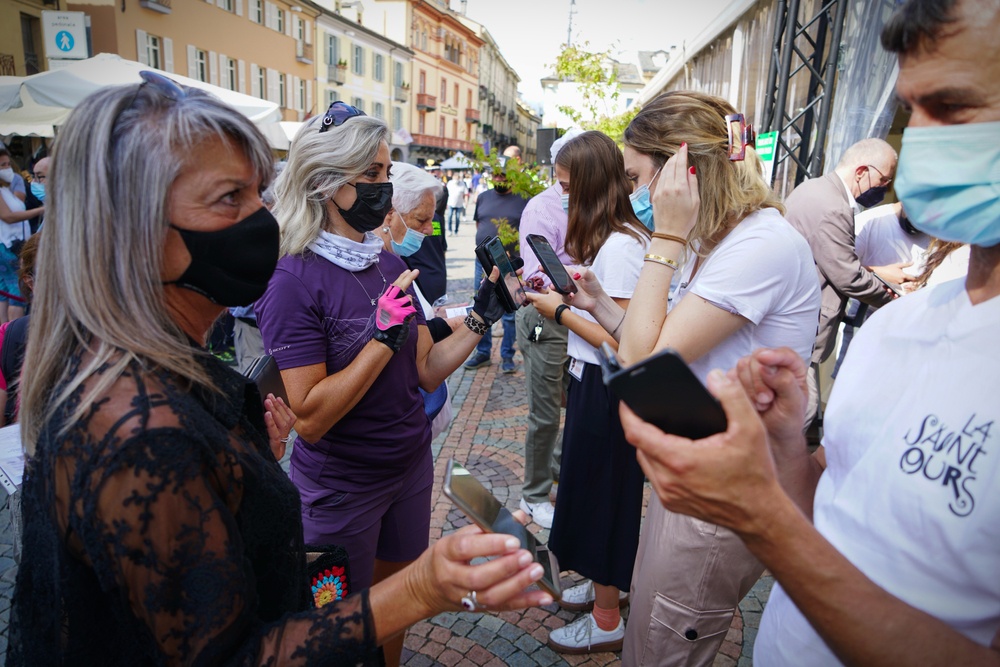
(675, 198)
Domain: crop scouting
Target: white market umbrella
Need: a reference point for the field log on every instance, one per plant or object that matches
(456, 161)
(46, 99)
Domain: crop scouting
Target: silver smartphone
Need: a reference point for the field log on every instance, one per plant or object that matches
(486, 512)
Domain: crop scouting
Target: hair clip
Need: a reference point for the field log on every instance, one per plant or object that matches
(741, 135)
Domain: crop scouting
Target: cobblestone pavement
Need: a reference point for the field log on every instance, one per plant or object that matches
(487, 434)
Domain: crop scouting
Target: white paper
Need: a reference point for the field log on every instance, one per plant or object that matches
(11, 457)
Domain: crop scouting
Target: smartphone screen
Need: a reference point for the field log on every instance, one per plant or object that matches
(507, 273)
(486, 512)
(551, 264)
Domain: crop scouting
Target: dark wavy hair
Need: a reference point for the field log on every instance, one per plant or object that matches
(917, 24)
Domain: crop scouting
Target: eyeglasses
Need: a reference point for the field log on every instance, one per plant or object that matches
(741, 135)
(338, 114)
(882, 177)
(161, 84)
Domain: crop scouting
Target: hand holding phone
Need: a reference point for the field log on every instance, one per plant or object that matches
(663, 391)
(895, 289)
(551, 264)
(486, 512)
(509, 288)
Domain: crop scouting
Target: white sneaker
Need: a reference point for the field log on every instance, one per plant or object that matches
(540, 513)
(581, 597)
(583, 636)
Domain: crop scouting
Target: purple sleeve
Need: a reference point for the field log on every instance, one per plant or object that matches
(291, 322)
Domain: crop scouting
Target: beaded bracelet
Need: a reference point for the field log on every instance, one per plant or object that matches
(659, 259)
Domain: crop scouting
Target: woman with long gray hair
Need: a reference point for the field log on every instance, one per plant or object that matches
(158, 527)
(339, 318)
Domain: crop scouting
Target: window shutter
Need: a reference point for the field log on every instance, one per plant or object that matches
(288, 24)
(241, 71)
(141, 45)
(269, 15)
(289, 94)
(223, 72)
(295, 93)
(309, 36)
(220, 3)
(272, 86)
(192, 66)
(213, 68)
(255, 81)
(168, 53)
(309, 96)
(239, 7)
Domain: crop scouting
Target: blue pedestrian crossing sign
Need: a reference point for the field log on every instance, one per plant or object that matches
(64, 41)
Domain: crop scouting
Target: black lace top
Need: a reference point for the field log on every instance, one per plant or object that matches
(161, 531)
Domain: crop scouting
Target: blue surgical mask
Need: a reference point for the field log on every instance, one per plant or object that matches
(38, 189)
(412, 240)
(641, 203)
(949, 181)
(565, 202)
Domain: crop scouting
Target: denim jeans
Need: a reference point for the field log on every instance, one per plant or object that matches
(455, 214)
(485, 345)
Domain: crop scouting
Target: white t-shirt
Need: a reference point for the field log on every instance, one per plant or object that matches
(911, 493)
(16, 231)
(617, 265)
(456, 193)
(764, 271)
(879, 240)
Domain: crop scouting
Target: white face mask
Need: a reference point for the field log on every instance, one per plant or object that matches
(7, 175)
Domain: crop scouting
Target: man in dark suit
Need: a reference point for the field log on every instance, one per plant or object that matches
(823, 210)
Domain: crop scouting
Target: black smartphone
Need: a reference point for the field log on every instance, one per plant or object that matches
(664, 392)
(551, 265)
(895, 288)
(509, 287)
(265, 374)
(486, 512)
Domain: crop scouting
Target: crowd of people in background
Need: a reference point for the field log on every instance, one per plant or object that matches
(160, 528)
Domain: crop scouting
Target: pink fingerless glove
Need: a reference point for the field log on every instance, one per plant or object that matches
(395, 307)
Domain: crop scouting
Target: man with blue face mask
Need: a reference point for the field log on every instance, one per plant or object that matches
(822, 210)
(885, 544)
(37, 191)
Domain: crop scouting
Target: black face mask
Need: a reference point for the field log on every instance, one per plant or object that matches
(906, 225)
(872, 196)
(370, 208)
(232, 266)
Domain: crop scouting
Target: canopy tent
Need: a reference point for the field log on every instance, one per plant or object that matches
(456, 161)
(35, 105)
(280, 135)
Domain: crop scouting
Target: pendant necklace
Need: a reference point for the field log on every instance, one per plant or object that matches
(375, 300)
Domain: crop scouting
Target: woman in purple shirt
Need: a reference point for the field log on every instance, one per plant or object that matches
(352, 349)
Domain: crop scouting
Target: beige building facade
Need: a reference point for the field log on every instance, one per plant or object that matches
(263, 48)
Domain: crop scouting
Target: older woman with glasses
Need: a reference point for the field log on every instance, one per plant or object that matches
(158, 527)
(353, 350)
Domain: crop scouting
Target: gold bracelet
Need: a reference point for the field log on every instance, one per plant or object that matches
(670, 237)
(661, 260)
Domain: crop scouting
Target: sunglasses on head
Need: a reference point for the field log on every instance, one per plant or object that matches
(161, 84)
(338, 114)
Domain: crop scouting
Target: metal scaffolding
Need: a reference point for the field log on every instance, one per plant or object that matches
(811, 48)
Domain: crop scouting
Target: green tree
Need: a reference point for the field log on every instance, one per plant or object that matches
(599, 88)
(524, 180)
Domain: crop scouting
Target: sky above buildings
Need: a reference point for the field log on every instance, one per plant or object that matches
(531, 32)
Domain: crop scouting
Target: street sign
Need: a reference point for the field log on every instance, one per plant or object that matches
(767, 144)
(65, 35)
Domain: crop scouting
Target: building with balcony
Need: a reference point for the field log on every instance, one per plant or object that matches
(444, 73)
(363, 67)
(497, 95)
(259, 47)
(526, 132)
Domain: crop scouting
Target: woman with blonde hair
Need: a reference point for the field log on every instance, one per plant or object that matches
(745, 279)
(595, 530)
(353, 350)
(158, 527)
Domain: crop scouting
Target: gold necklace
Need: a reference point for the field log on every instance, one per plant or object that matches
(375, 300)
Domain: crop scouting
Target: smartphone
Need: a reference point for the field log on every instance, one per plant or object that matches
(664, 392)
(509, 287)
(553, 268)
(486, 512)
(895, 288)
(265, 374)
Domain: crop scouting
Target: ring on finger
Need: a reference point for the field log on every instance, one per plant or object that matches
(470, 603)
(287, 439)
